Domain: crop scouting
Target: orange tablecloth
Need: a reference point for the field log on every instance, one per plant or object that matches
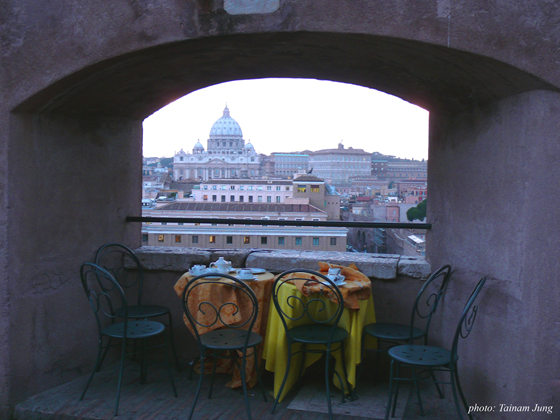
(262, 287)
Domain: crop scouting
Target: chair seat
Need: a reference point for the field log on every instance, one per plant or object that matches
(135, 329)
(317, 334)
(388, 331)
(429, 356)
(144, 311)
(228, 339)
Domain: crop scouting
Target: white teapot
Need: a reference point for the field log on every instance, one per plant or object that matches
(222, 265)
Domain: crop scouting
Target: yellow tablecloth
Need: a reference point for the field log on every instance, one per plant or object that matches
(276, 347)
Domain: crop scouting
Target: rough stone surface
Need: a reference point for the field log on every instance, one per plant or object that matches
(416, 268)
(171, 258)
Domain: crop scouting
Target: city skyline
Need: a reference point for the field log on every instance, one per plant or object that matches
(289, 115)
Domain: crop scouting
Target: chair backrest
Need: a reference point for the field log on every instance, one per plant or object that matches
(111, 257)
(428, 298)
(468, 316)
(214, 301)
(294, 308)
(104, 295)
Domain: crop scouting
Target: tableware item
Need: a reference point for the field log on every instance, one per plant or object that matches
(339, 281)
(334, 271)
(197, 270)
(245, 274)
(258, 270)
(212, 270)
(222, 265)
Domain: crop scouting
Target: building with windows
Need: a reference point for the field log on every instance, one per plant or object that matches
(244, 191)
(227, 155)
(407, 170)
(336, 166)
(287, 165)
(208, 235)
(319, 193)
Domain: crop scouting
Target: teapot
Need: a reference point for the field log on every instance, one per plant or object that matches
(222, 265)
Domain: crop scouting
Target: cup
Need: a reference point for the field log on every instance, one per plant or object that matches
(334, 271)
(212, 270)
(198, 269)
(245, 273)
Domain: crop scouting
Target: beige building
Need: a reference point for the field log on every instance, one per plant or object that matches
(244, 191)
(338, 165)
(320, 194)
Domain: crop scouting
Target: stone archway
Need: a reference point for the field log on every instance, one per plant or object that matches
(79, 79)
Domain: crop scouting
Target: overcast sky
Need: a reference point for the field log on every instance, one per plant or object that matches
(289, 115)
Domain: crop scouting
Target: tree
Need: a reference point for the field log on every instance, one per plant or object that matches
(418, 212)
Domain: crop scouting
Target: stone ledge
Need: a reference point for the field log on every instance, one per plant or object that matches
(378, 266)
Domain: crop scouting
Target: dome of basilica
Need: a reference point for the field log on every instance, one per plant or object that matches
(226, 127)
(199, 145)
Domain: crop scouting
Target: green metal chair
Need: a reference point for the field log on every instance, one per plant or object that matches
(309, 322)
(228, 338)
(424, 307)
(111, 257)
(108, 301)
(421, 358)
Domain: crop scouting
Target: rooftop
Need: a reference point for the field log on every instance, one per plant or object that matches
(241, 207)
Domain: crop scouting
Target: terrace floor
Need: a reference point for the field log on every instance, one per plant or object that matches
(154, 400)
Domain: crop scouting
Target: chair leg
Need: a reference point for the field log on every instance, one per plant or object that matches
(202, 356)
(244, 383)
(169, 365)
(259, 374)
(440, 392)
(391, 387)
(397, 387)
(170, 323)
(463, 399)
(95, 368)
(121, 371)
(417, 387)
(104, 354)
(288, 363)
(327, 381)
(345, 386)
(214, 361)
(143, 361)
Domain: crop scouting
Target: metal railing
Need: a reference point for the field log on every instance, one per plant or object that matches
(370, 225)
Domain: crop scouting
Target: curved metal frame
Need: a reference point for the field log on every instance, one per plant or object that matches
(120, 273)
(246, 325)
(464, 327)
(431, 302)
(306, 313)
(101, 290)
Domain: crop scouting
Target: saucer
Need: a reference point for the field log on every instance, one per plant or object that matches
(258, 270)
(199, 274)
(247, 278)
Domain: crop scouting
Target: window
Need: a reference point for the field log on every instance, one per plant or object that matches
(194, 239)
(204, 198)
(232, 198)
(223, 198)
(214, 198)
(250, 199)
(246, 239)
(298, 241)
(232, 187)
(264, 240)
(229, 239)
(164, 223)
(259, 198)
(277, 199)
(314, 188)
(241, 199)
(333, 241)
(265, 218)
(315, 241)
(301, 189)
(278, 188)
(287, 188)
(144, 237)
(280, 240)
(160, 238)
(212, 239)
(177, 239)
(269, 199)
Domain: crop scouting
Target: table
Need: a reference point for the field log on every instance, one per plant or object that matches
(262, 287)
(276, 348)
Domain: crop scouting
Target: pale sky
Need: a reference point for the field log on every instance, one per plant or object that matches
(289, 115)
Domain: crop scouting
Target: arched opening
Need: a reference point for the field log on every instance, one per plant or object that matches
(90, 122)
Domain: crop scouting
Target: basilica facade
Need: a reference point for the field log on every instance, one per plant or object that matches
(226, 157)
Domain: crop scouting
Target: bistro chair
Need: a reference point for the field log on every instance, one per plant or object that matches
(223, 330)
(424, 307)
(420, 358)
(107, 299)
(113, 257)
(310, 323)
